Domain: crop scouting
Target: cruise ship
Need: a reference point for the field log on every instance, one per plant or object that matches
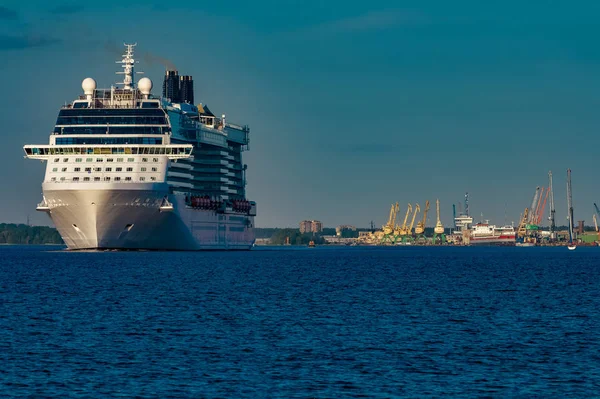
(129, 170)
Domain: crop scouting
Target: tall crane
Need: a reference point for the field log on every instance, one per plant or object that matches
(533, 206)
(388, 228)
(439, 227)
(522, 230)
(540, 214)
(403, 231)
(412, 222)
(570, 206)
(438, 230)
(551, 217)
(420, 229)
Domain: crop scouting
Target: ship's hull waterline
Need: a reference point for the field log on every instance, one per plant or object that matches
(133, 220)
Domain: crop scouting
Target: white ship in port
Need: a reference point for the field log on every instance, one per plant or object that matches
(488, 234)
(129, 170)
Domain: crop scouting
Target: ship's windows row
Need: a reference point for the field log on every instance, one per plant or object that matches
(111, 120)
(108, 140)
(107, 151)
(108, 169)
(105, 178)
(107, 160)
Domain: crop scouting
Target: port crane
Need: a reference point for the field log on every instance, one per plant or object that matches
(388, 228)
(552, 211)
(412, 222)
(540, 212)
(532, 208)
(420, 229)
(438, 230)
(596, 220)
(522, 230)
(402, 230)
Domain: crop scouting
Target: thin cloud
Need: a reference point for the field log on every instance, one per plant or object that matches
(371, 20)
(24, 42)
(7, 13)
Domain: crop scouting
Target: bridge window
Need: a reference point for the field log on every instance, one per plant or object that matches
(97, 169)
(107, 178)
(119, 159)
(154, 159)
(55, 159)
(62, 179)
(86, 179)
(128, 179)
(108, 169)
(117, 178)
(130, 169)
(64, 169)
(109, 159)
(54, 169)
(142, 178)
(88, 169)
(130, 159)
(99, 159)
(143, 169)
(144, 159)
(153, 178)
(88, 160)
(96, 179)
(76, 179)
(77, 169)
(53, 179)
(154, 169)
(78, 159)
(119, 169)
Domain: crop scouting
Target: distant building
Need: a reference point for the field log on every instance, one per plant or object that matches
(311, 226)
(339, 229)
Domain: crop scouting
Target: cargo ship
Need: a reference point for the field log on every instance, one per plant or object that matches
(487, 234)
(126, 169)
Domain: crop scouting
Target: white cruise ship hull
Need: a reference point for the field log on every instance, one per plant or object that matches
(130, 218)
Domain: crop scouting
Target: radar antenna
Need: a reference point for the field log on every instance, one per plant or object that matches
(128, 67)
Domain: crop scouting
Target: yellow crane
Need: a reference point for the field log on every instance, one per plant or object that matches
(522, 230)
(388, 228)
(439, 227)
(412, 222)
(402, 229)
(420, 229)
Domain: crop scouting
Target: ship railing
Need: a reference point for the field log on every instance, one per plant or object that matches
(43, 206)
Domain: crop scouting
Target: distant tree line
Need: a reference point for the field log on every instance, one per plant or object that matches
(295, 237)
(24, 234)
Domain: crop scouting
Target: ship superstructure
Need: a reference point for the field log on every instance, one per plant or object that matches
(130, 170)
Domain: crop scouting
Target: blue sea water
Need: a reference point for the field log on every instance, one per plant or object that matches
(300, 323)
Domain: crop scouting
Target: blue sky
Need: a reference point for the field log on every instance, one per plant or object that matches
(352, 105)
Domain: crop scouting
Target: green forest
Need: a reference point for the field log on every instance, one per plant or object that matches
(24, 234)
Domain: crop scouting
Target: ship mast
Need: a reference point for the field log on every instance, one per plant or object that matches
(570, 206)
(551, 217)
(128, 67)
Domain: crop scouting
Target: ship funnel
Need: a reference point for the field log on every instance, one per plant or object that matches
(171, 86)
(186, 89)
